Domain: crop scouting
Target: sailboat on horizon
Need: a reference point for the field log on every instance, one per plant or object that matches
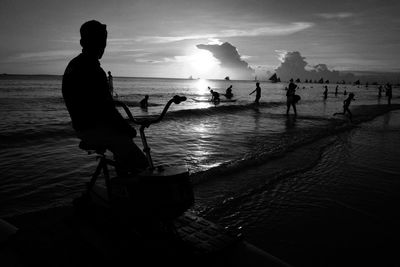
(274, 78)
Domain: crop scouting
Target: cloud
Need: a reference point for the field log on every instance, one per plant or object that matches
(41, 56)
(251, 30)
(294, 66)
(339, 15)
(230, 60)
(281, 54)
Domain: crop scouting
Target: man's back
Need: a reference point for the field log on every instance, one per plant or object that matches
(87, 97)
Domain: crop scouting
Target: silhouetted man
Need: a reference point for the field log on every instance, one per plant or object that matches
(291, 97)
(90, 104)
(388, 87)
(258, 93)
(110, 83)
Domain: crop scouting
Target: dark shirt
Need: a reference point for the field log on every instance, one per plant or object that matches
(215, 95)
(346, 103)
(292, 86)
(291, 89)
(144, 103)
(89, 102)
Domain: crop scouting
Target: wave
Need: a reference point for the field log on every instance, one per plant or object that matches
(215, 110)
(293, 141)
(38, 132)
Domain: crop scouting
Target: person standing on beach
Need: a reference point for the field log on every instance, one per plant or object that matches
(380, 91)
(290, 97)
(110, 83)
(346, 104)
(336, 90)
(258, 93)
(388, 88)
(94, 116)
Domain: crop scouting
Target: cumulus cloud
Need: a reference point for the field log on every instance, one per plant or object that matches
(294, 66)
(230, 60)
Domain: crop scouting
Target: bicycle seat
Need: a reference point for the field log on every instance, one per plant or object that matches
(92, 147)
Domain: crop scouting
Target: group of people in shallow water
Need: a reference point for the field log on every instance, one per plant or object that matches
(88, 95)
(215, 96)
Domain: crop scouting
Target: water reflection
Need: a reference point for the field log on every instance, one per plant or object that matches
(290, 122)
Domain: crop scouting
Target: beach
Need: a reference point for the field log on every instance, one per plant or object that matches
(314, 190)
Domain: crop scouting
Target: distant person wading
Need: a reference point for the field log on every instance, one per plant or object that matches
(388, 88)
(346, 105)
(258, 93)
(110, 83)
(291, 98)
(144, 103)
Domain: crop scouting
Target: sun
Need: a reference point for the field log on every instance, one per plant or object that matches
(203, 61)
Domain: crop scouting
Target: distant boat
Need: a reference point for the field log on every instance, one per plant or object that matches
(190, 77)
(357, 82)
(274, 78)
(321, 80)
(227, 78)
(298, 80)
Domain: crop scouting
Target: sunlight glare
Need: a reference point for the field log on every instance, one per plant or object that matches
(201, 86)
(203, 60)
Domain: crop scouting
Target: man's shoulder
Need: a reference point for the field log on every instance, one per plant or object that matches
(74, 64)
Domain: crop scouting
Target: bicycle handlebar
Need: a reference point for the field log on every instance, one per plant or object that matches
(147, 122)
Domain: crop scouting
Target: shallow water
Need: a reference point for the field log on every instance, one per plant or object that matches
(42, 166)
(342, 202)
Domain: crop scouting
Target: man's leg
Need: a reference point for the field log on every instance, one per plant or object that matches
(128, 156)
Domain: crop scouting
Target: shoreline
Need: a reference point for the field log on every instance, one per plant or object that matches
(323, 215)
(198, 179)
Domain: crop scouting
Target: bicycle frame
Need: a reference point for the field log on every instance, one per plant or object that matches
(145, 123)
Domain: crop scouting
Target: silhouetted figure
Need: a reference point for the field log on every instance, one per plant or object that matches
(346, 104)
(336, 90)
(215, 97)
(228, 92)
(144, 103)
(326, 92)
(258, 93)
(291, 97)
(388, 88)
(344, 92)
(110, 83)
(94, 116)
(380, 88)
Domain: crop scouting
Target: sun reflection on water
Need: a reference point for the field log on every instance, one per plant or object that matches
(202, 87)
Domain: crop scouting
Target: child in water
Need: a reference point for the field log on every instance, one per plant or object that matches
(346, 104)
(144, 103)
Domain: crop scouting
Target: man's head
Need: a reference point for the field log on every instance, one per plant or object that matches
(93, 38)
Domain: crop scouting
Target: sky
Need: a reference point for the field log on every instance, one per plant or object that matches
(203, 39)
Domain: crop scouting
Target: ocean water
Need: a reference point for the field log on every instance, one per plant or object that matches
(41, 165)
